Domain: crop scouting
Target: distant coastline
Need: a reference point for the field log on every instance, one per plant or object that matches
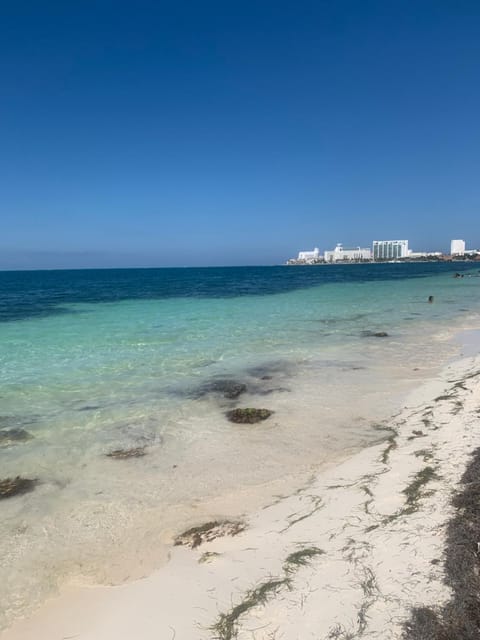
(474, 259)
(389, 251)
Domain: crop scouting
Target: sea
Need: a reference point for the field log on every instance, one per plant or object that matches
(94, 362)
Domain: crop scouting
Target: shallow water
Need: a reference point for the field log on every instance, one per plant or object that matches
(96, 361)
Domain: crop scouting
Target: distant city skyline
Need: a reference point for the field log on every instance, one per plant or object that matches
(163, 134)
(380, 250)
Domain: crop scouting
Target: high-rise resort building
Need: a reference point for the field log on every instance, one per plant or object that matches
(457, 248)
(390, 249)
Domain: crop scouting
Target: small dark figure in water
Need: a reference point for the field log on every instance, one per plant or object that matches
(458, 275)
(430, 298)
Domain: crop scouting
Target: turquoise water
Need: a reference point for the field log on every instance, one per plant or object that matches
(96, 361)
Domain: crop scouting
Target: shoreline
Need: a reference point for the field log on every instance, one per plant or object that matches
(367, 535)
(123, 525)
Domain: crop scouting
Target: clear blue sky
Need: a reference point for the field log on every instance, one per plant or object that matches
(201, 132)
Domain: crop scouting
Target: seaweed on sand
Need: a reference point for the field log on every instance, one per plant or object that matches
(301, 558)
(391, 440)
(459, 618)
(226, 626)
(124, 454)
(208, 556)
(195, 536)
(416, 434)
(426, 454)
(414, 491)
(392, 444)
(10, 487)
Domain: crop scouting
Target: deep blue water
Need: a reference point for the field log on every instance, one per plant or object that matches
(26, 294)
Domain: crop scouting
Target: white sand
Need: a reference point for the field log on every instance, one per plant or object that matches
(376, 562)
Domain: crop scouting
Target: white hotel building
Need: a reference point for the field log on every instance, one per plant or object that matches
(390, 249)
(309, 256)
(457, 248)
(339, 254)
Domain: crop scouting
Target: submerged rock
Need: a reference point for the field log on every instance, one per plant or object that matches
(230, 389)
(123, 454)
(248, 415)
(16, 421)
(195, 536)
(10, 487)
(268, 370)
(267, 392)
(374, 334)
(13, 436)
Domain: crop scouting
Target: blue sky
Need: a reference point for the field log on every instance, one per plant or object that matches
(195, 133)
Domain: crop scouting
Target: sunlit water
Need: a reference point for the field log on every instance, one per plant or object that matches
(96, 361)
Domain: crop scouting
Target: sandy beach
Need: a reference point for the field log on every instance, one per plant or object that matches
(347, 556)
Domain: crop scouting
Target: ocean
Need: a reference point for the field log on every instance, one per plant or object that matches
(97, 361)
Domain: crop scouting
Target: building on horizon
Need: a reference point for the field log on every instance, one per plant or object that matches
(418, 255)
(309, 256)
(457, 248)
(339, 254)
(390, 249)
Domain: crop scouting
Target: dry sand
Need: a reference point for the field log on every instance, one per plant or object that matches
(368, 537)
